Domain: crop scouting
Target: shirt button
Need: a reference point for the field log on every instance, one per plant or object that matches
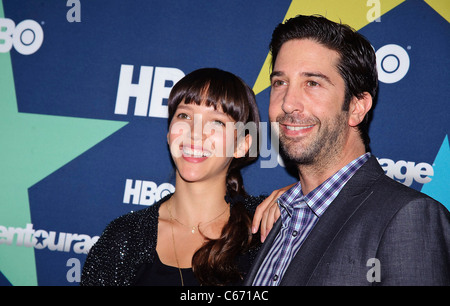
(275, 278)
(294, 233)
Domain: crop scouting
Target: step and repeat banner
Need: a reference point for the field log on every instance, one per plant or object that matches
(83, 108)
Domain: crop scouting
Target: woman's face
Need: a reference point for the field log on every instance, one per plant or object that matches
(202, 142)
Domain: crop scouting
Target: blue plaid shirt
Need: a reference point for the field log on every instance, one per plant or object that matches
(299, 214)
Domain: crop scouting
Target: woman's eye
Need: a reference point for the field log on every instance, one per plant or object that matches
(218, 122)
(183, 116)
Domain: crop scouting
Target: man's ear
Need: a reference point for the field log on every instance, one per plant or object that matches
(243, 145)
(358, 109)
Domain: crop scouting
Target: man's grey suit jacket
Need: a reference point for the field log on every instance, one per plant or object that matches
(373, 217)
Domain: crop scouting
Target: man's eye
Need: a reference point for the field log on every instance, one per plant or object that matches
(278, 83)
(312, 83)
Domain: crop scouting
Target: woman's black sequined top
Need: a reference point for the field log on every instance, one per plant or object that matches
(129, 242)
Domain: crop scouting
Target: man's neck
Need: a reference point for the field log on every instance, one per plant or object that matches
(312, 175)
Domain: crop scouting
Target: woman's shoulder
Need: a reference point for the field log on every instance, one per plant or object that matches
(127, 242)
(251, 202)
(137, 222)
(254, 200)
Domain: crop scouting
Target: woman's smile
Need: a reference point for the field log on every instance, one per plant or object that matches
(194, 154)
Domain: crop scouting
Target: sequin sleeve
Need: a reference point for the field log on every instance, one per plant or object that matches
(103, 263)
(126, 244)
(251, 202)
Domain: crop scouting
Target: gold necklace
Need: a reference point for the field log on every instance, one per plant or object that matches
(173, 237)
(194, 227)
(175, 250)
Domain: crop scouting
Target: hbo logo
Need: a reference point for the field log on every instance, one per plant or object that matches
(26, 37)
(145, 192)
(392, 63)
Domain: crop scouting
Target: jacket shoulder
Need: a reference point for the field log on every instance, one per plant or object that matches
(252, 202)
(127, 242)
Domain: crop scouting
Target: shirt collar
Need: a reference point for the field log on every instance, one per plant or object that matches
(321, 197)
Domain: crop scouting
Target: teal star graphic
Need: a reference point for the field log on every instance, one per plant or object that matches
(440, 182)
(32, 147)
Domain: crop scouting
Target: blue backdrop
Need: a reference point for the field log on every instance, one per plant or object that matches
(83, 92)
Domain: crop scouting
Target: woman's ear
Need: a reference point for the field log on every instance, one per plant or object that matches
(359, 107)
(243, 145)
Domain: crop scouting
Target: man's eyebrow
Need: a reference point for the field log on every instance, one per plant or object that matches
(306, 74)
(318, 75)
(276, 73)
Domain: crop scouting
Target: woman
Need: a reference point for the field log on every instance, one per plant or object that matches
(202, 233)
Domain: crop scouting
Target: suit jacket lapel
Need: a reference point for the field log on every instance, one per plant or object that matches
(351, 197)
(262, 253)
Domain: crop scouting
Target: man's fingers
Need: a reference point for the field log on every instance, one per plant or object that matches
(263, 225)
(267, 213)
(274, 214)
(259, 213)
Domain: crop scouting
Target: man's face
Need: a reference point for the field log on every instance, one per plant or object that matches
(306, 99)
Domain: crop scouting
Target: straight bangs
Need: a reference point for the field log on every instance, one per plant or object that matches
(219, 89)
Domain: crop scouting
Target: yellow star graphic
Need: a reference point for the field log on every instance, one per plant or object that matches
(355, 13)
(441, 6)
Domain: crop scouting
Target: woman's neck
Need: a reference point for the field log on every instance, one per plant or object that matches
(198, 202)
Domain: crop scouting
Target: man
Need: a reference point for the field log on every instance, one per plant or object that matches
(344, 222)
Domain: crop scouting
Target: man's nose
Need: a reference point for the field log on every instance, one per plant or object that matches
(292, 100)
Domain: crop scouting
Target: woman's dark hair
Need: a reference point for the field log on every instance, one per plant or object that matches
(357, 64)
(215, 262)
